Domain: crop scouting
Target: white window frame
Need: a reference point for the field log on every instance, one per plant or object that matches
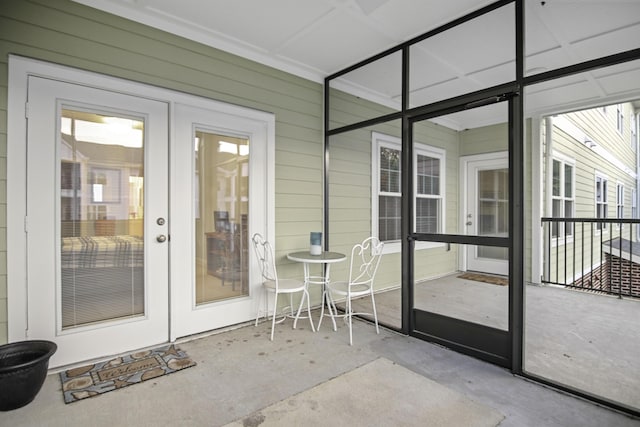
(634, 203)
(605, 203)
(562, 197)
(632, 127)
(619, 119)
(380, 140)
(619, 202)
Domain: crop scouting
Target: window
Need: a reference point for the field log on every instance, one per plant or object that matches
(619, 118)
(428, 195)
(429, 167)
(389, 194)
(563, 196)
(634, 133)
(634, 204)
(619, 202)
(601, 201)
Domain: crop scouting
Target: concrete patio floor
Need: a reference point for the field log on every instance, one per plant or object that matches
(240, 371)
(583, 340)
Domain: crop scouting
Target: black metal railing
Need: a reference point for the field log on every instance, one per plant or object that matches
(594, 254)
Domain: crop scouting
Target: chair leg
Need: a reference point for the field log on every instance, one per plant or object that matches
(260, 302)
(295, 319)
(332, 308)
(375, 314)
(273, 318)
(305, 294)
(322, 308)
(350, 315)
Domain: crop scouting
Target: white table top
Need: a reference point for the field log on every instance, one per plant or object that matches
(325, 257)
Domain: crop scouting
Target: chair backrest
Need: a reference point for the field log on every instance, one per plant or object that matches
(264, 255)
(365, 258)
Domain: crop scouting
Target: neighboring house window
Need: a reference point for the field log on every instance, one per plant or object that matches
(634, 204)
(601, 201)
(619, 202)
(563, 196)
(429, 167)
(634, 132)
(619, 118)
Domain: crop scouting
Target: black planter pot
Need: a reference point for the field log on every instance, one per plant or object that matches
(23, 369)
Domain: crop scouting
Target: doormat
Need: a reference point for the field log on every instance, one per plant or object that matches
(486, 278)
(92, 380)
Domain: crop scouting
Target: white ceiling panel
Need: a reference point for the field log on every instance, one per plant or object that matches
(538, 37)
(336, 42)
(315, 38)
(477, 117)
(625, 84)
(426, 69)
(577, 20)
(242, 20)
(382, 78)
(441, 91)
(563, 98)
(470, 47)
(495, 75)
(409, 18)
(611, 42)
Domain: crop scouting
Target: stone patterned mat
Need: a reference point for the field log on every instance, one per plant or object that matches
(486, 278)
(92, 380)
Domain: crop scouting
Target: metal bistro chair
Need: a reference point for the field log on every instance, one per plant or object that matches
(271, 283)
(365, 258)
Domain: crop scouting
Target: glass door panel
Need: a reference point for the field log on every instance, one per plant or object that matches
(221, 216)
(493, 215)
(101, 217)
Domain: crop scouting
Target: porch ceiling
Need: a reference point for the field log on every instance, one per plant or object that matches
(313, 39)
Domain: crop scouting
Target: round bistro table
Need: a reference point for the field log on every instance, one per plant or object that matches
(326, 258)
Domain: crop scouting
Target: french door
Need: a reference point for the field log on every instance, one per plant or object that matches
(138, 208)
(487, 211)
(220, 191)
(97, 220)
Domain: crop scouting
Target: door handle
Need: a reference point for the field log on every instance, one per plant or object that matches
(161, 238)
(469, 223)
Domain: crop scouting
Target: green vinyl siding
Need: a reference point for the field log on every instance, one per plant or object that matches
(70, 34)
(350, 188)
(486, 139)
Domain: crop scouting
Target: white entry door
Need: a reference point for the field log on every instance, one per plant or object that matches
(220, 188)
(487, 211)
(97, 212)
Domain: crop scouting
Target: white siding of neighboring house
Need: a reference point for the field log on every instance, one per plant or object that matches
(591, 139)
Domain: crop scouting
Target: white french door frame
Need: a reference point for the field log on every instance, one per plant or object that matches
(20, 69)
